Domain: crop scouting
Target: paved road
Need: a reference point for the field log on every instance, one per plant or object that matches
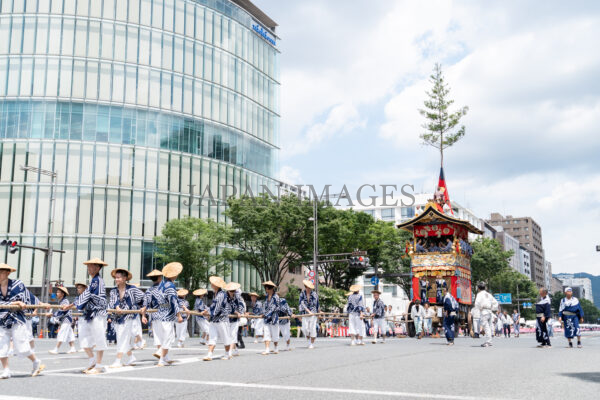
(402, 368)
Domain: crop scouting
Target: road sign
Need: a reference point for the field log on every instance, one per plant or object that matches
(504, 298)
(311, 274)
(374, 281)
(312, 280)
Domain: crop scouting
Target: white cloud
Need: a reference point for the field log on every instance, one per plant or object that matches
(290, 175)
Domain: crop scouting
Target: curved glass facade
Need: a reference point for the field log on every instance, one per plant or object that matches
(131, 102)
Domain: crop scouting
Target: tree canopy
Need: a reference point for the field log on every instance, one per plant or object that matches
(488, 260)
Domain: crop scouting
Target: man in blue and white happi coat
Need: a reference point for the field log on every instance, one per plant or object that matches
(256, 308)
(92, 329)
(356, 310)
(125, 297)
(219, 319)
(168, 312)
(571, 314)
(542, 314)
(379, 324)
(237, 307)
(201, 321)
(450, 311)
(153, 298)
(12, 322)
(181, 328)
(64, 320)
(309, 305)
(271, 318)
(285, 313)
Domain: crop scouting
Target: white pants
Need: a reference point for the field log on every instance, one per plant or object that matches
(18, 334)
(29, 329)
(356, 326)
(271, 333)
(203, 325)
(124, 336)
(309, 326)
(219, 331)
(476, 325)
(181, 330)
(285, 331)
(259, 327)
(154, 328)
(486, 324)
(233, 331)
(93, 333)
(379, 325)
(65, 333)
(164, 331)
(136, 327)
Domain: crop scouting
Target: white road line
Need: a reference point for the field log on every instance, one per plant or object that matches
(286, 387)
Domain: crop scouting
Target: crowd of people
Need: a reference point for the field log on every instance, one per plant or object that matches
(165, 310)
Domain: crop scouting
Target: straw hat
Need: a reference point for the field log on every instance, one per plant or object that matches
(171, 270)
(253, 294)
(182, 292)
(199, 292)
(231, 286)
(349, 293)
(308, 284)
(375, 291)
(154, 272)
(8, 267)
(96, 261)
(113, 273)
(269, 283)
(63, 289)
(80, 284)
(217, 281)
(355, 288)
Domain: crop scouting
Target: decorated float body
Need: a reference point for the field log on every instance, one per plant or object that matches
(434, 272)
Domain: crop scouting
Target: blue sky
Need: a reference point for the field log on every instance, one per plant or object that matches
(354, 74)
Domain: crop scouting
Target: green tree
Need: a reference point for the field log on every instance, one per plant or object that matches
(331, 299)
(507, 281)
(270, 235)
(441, 123)
(193, 242)
(488, 260)
(293, 296)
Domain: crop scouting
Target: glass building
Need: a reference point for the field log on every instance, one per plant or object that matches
(131, 103)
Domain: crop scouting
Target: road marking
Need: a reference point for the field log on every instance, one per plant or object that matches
(3, 397)
(286, 387)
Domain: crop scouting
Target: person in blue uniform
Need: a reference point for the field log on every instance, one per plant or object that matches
(447, 247)
(152, 301)
(571, 314)
(201, 321)
(219, 319)
(378, 315)
(420, 248)
(238, 308)
(440, 287)
(542, 314)
(271, 318)
(356, 309)
(64, 319)
(424, 286)
(92, 329)
(309, 305)
(258, 324)
(181, 331)
(12, 322)
(168, 311)
(125, 297)
(284, 323)
(450, 311)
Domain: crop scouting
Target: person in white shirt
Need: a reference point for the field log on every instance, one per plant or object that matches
(389, 316)
(417, 314)
(428, 314)
(475, 321)
(506, 323)
(486, 304)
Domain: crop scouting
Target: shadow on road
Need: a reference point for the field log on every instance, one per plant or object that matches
(584, 376)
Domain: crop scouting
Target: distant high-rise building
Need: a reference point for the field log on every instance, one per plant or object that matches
(582, 287)
(509, 243)
(529, 234)
(524, 261)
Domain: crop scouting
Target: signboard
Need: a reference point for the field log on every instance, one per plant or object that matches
(265, 34)
(374, 281)
(311, 274)
(504, 298)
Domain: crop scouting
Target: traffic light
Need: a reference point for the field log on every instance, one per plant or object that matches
(359, 262)
(12, 245)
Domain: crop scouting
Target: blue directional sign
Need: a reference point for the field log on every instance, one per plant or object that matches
(374, 281)
(504, 298)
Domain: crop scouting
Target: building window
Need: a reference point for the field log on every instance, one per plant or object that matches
(408, 212)
(387, 213)
(370, 212)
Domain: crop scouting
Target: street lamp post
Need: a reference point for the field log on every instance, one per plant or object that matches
(49, 251)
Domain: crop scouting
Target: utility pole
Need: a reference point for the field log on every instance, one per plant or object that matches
(48, 251)
(518, 304)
